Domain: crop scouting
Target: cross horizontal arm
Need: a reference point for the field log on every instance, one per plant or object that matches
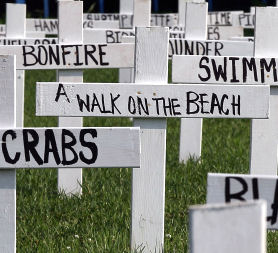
(152, 101)
(72, 56)
(70, 147)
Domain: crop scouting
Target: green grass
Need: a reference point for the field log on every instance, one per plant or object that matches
(99, 221)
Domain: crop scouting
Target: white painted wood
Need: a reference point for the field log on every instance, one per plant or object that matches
(225, 18)
(126, 75)
(70, 147)
(210, 47)
(125, 19)
(181, 12)
(195, 27)
(2, 29)
(246, 20)
(228, 70)
(98, 24)
(70, 15)
(38, 35)
(126, 6)
(224, 32)
(102, 56)
(48, 26)
(147, 100)
(16, 27)
(226, 188)
(106, 35)
(7, 177)
(217, 228)
(191, 129)
(28, 41)
(15, 20)
(142, 13)
(264, 135)
(166, 20)
(242, 39)
(148, 183)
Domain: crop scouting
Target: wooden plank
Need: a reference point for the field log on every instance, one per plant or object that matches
(15, 20)
(182, 10)
(223, 18)
(195, 27)
(27, 41)
(72, 56)
(264, 135)
(246, 20)
(226, 188)
(224, 32)
(251, 39)
(16, 28)
(48, 26)
(191, 129)
(217, 228)
(126, 75)
(210, 47)
(148, 183)
(70, 31)
(126, 7)
(148, 100)
(70, 147)
(99, 24)
(164, 19)
(125, 19)
(106, 35)
(142, 13)
(7, 177)
(225, 70)
(2, 29)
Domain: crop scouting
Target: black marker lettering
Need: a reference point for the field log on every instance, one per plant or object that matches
(190, 100)
(101, 54)
(30, 145)
(59, 93)
(251, 66)
(7, 157)
(219, 70)
(51, 146)
(238, 195)
(201, 65)
(68, 146)
(25, 53)
(90, 145)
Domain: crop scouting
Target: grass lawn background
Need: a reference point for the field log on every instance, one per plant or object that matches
(99, 221)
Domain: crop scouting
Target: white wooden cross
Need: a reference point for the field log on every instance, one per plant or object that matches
(229, 228)
(230, 188)
(50, 147)
(191, 129)
(7, 177)
(16, 28)
(152, 101)
(210, 47)
(249, 70)
(264, 134)
(73, 56)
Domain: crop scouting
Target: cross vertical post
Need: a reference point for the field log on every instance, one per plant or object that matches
(70, 32)
(148, 182)
(8, 176)
(264, 133)
(191, 129)
(16, 28)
